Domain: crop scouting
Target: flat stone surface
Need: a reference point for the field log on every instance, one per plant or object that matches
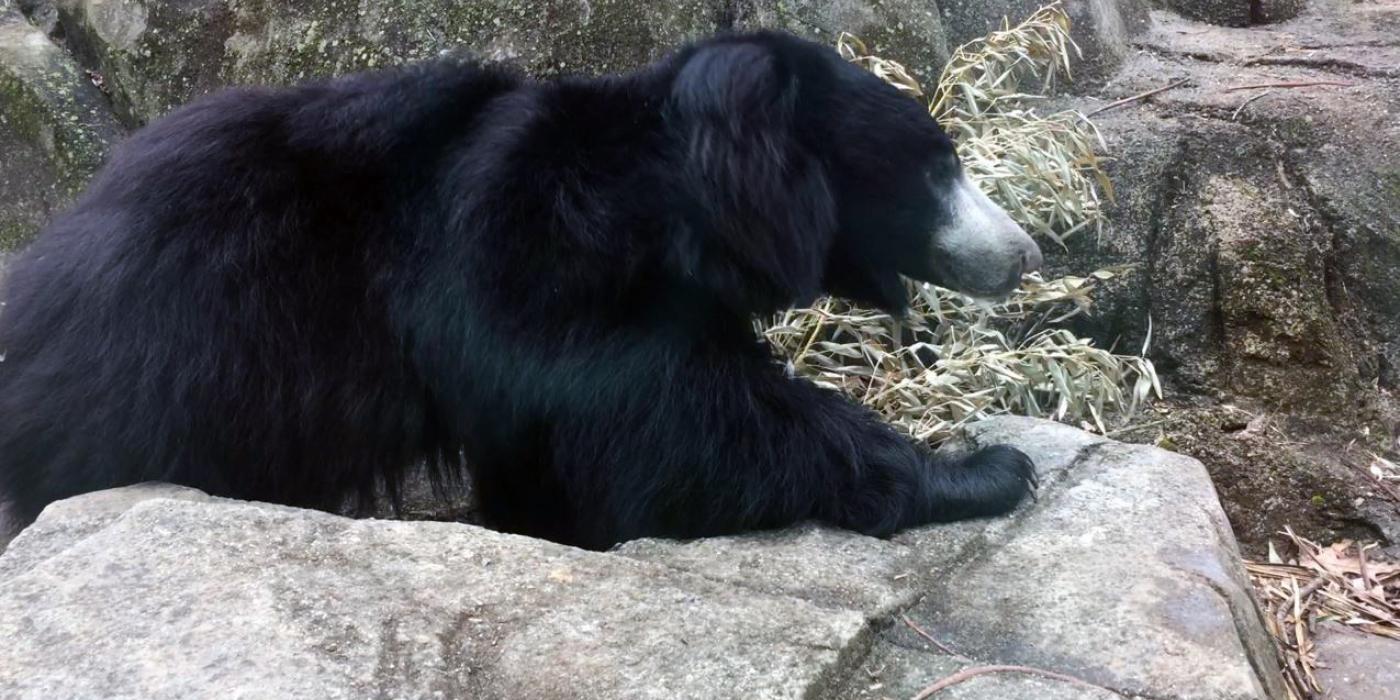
(1130, 542)
(1354, 665)
(68, 522)
(178, 599)
(894, 672)
(831, 567)
(1123, 573)
(843, 569)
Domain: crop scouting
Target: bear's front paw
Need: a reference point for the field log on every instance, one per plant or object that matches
(990, 481)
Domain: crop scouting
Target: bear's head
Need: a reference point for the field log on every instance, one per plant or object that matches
(805, 174)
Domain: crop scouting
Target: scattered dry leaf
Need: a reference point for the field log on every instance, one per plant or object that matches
(1342, 582)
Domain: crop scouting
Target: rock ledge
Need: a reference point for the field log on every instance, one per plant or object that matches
(1124, 574)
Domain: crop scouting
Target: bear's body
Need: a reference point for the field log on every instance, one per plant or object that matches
(293, 295)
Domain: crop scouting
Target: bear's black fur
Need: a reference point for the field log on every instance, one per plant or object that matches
(293, 295)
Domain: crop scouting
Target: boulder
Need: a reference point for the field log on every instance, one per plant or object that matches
(1233, 13)
(1232, 290)
(156, 54)
(160, 53)
(197, 597)
(1124, 574)
(1264, 220)
(55, 127)
(1184, 624)
(908, 31)
(1255, 202)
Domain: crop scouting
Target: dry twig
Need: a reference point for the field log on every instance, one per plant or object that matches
(1139, 96)
(932, 640)
(1344, 586)
(1303, 84)
(975, 671)
(1236, 114)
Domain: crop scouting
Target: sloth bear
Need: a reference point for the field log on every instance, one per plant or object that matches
(295, 295)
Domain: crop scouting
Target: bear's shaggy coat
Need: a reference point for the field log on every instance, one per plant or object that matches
(294, 295)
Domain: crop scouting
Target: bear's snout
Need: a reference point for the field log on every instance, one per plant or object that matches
(979, 249)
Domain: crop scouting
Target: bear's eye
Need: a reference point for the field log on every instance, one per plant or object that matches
(945, 164)
(951, 158)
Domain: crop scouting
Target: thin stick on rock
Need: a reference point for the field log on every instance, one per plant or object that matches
(932, 640)
(1301, 595)
(1310, 83)
(1139, 96)
(1244, 104)
(975, 671)
(1361, 566)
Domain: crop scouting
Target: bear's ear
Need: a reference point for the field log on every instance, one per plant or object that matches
(759, 218)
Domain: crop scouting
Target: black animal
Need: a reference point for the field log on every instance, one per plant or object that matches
(293, 295)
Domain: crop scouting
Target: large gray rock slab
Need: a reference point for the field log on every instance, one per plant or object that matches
(900, 672)
(1124, 573)
(1133, 533)
(55, 127)
(68, 522)
(1132, 537)
(178, 598)
(844, 569)
(831, 567)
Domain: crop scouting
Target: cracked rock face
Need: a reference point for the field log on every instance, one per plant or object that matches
(1124, 574)
(1264, 218)
(1260, 203)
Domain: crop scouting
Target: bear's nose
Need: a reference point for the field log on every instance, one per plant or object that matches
(1031, 259)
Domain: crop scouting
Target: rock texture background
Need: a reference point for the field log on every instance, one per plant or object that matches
(1124, 573)
(1266, 222)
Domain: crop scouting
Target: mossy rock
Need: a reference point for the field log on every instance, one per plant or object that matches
(158, 54)
(55, 128)
(30, 188)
